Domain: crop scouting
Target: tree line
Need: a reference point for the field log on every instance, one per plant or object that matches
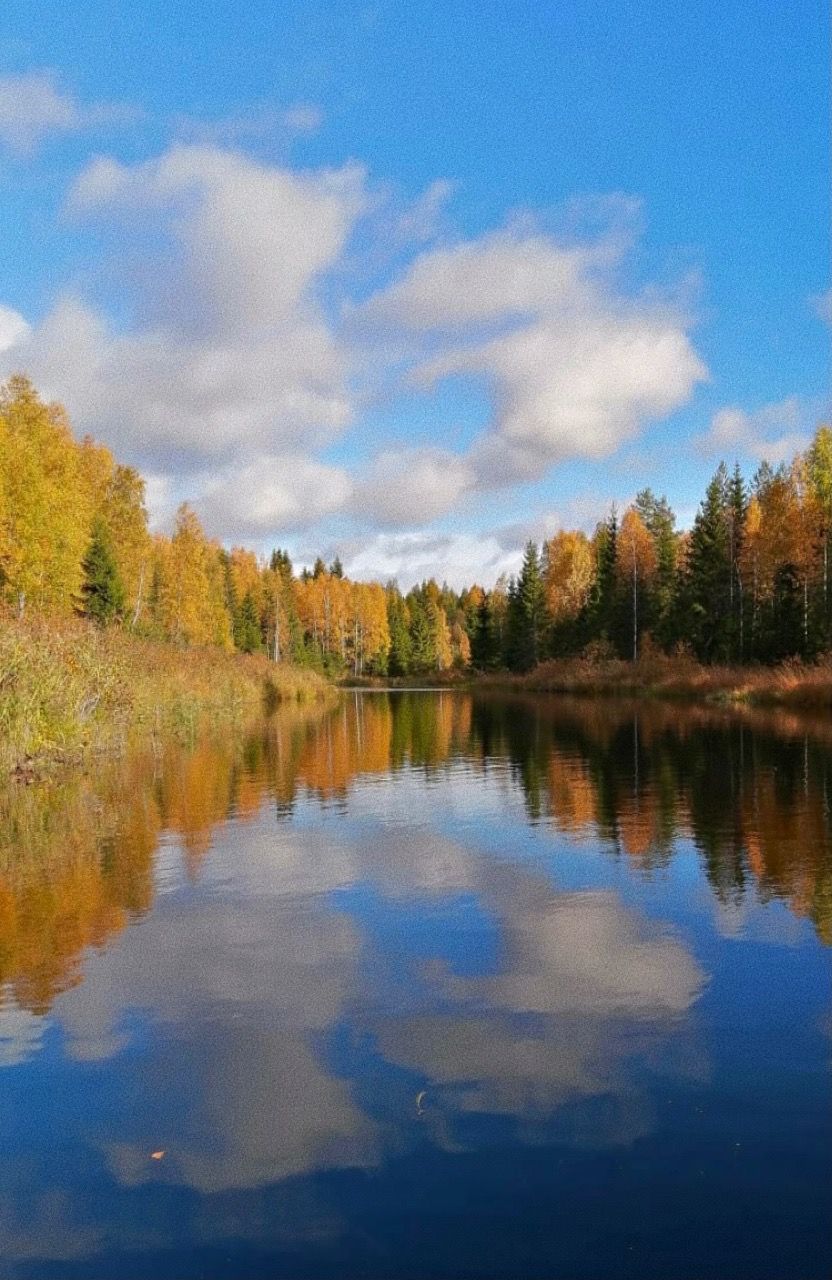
(748, 582)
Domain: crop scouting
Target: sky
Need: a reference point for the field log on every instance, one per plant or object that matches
(414, 283)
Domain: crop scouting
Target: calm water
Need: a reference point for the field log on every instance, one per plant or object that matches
(424, 986)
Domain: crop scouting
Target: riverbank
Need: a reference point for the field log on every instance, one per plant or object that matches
(804, 686)
(791, 684)
(69, 690)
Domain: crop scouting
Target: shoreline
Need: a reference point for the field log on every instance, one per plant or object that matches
(795, 685)
(71, 691)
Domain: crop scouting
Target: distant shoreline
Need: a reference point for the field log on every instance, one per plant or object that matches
(790, 684)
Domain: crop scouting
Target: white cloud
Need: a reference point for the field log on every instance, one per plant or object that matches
(232, 358)
(775, 432)
(458, 558)
(412, 486)
(244, 358)
(13, 328)
(420, 220)
(275, 492)
(254, 239)
(32, 106)
(574, 366)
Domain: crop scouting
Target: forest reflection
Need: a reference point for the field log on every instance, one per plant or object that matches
(752, 793)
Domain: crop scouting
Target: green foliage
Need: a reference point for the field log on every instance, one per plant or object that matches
(706, 591)
(247, 633)
(527, 614)
(400, 660)
(485, 643)
(102, 592)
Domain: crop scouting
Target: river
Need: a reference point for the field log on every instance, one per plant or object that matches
(424, 985)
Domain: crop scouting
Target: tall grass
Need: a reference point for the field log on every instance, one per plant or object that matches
(68, 688)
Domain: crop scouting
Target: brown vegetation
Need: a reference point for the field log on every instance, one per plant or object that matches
(792, 683)
(68, 688)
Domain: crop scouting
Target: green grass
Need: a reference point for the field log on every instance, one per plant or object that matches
(69, 688)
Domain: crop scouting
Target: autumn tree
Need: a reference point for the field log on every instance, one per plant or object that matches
(45, 504)
(568, 574)
(819, 477)
(636, 563)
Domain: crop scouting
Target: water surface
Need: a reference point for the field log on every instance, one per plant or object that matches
(427, 985)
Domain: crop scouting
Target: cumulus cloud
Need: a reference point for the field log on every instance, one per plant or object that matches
(575, 367)
(412, 556)
(412, 486)
(13, 328)
(254, 238)
(775, 432)
(33, 105)
(420, 220)
(274, 492)
(233, 358)
(245, 357)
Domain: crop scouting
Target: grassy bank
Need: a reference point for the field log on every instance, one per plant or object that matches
(792, 684)
(69, 689)
(452, 679)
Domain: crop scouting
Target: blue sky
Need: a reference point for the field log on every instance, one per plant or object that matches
(415, 281)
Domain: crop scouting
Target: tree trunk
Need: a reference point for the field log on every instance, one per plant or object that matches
(137, 612)
(805, 616)
(635, 609)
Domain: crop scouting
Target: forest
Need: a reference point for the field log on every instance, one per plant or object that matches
(748, 583)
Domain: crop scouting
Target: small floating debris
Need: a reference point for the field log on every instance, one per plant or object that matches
(158, 1155)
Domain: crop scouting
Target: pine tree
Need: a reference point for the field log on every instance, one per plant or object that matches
(102, 591)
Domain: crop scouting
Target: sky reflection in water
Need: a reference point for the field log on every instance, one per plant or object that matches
(425, 985)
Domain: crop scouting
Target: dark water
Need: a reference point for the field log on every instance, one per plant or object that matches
(424, 986)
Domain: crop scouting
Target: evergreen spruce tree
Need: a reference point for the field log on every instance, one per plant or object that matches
(485, 655)
(736, 508)
(102, 591)
(401, 649)
(526, 613)
(246, 630)
(706, 591)
(423, 648)
(603, 604)
(659, 604)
